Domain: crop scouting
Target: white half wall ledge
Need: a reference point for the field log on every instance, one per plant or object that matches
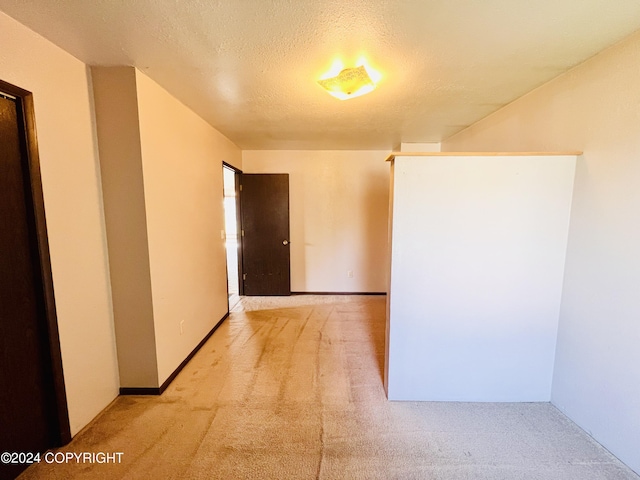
(478, 246)
(403, 153)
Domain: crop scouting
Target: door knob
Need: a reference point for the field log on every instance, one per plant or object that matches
(285, 242)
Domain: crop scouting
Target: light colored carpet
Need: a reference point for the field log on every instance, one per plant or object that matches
(291, 388)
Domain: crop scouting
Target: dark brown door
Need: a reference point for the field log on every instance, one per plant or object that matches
(265, 244)
(28, 412)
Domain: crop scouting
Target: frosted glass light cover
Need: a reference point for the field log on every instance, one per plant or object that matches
(349, 83)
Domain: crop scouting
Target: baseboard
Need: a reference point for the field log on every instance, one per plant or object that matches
(175, 373)
(338, 293)
(167, 382)
(140, 391)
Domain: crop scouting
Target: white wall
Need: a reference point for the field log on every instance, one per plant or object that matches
(72, 196)
(338, 214)
(478, 249)
(182, 159)
(595, 108)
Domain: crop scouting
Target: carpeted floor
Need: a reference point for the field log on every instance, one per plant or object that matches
(291, 388)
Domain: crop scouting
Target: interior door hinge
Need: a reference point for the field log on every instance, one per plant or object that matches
(242, 233)
(244, 276)
(240, 187)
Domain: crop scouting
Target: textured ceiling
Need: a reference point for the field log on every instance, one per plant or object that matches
(249, 67)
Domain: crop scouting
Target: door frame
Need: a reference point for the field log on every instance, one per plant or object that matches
(237, 173)
(60, 428)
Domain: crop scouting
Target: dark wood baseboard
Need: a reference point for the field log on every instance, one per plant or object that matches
(338, 293)
(140, 391)
(167, 382)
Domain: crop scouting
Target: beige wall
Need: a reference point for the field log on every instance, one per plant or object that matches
(420, 147)
(162, 182)
(594, 108)
(182, 159)
(116, 109)
(339, 202)
(72, 196)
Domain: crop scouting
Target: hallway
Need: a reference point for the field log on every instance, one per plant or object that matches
(291, 388)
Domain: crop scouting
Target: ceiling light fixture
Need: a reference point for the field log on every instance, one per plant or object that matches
(349, 82)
